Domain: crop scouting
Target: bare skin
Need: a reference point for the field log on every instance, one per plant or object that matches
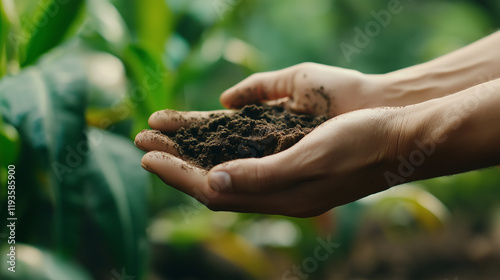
(451, 127)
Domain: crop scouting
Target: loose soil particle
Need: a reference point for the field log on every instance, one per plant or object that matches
(254, 131)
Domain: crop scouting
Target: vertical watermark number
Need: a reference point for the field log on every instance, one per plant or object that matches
(11, 217)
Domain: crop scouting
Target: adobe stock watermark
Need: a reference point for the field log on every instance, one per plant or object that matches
(75, 155)
(427, 147)
(363, 36)
(309, 265)
(222, 7)
(31, 24)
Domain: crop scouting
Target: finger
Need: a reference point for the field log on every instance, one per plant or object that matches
(154, 140)
(300, 200)
(299, 107)
(259, 88)
(254, 175)
(171, 120)
(292, 105)
(294, 201)
(193, 181)
(177, 173)
(281, 102)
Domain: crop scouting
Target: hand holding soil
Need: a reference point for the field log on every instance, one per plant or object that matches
(305, 169)
(306, 179)
(189, 144)
(254, 131)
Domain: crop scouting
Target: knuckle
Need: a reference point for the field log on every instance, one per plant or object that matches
(251, 175)
(305, 64)
(256, 76)
(298, 106)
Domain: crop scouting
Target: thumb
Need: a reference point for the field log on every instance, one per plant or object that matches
(258, 88)
(254, 175)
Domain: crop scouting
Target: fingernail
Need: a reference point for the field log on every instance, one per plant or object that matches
(219, 181)
(147, 168)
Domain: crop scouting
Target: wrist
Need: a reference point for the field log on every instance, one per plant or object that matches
(408, 86)
(395, 89)
(418, 135)
(449, 135)
(370, 89)
(428, 81)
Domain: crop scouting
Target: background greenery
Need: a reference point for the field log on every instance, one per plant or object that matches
(80, 78)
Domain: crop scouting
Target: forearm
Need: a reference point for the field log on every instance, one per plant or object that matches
(474, 64)
(456, 133)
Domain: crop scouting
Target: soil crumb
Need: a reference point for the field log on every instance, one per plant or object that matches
(254, 131)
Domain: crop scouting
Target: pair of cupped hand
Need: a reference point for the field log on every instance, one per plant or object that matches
(342, 160)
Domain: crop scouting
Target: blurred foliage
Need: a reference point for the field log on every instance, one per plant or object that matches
(80, 79)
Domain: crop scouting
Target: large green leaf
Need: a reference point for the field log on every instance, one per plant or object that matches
(116, 197)
(80, 191)
(46, 104)
(47, 26)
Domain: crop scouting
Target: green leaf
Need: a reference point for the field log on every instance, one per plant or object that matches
(4, 30)
(148, 21)
(154, 22)
(46, 104)
(107, 29)
(116, 197)
(96, 187)
(48, 25)
(151, 90)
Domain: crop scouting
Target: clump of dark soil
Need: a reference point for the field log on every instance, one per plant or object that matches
(255, 131)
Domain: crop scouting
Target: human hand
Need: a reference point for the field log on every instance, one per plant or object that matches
(342, 160)
(307, 88)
